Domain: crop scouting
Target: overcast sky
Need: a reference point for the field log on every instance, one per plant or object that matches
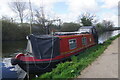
(69, 10)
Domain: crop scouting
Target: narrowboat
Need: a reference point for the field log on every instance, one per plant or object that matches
(45, 51)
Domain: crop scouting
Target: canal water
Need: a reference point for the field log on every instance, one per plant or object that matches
(106, 35)
(11, 48)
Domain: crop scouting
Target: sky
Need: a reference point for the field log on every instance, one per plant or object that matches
(69, 10)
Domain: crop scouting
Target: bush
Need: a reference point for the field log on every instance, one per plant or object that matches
(12, 31)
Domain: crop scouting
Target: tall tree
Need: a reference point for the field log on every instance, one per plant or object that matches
(107, 24)
(19, 8)
(86, 19)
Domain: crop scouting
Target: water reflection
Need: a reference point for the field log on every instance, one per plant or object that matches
(103, 37)
(115, 32)
(10, 47)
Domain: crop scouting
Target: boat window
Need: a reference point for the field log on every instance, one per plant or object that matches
(72, 43)
(84, 40)
(90, 39)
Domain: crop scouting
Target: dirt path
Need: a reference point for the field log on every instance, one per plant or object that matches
(106, 66)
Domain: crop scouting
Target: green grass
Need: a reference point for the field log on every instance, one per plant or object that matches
(73, 68)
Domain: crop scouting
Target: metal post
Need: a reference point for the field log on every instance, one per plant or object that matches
(31, 17)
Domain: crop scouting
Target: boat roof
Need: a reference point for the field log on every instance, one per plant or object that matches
(42, 36)
(55, 36)
(86, 27)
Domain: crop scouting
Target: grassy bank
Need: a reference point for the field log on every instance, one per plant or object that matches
(71, 69)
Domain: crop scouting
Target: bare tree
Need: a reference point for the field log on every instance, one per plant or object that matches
(43, 21)
(40, 17)
(19, 8)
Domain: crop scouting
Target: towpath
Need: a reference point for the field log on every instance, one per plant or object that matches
(106, 65)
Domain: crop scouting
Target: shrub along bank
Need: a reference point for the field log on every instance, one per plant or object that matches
(71, 69)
